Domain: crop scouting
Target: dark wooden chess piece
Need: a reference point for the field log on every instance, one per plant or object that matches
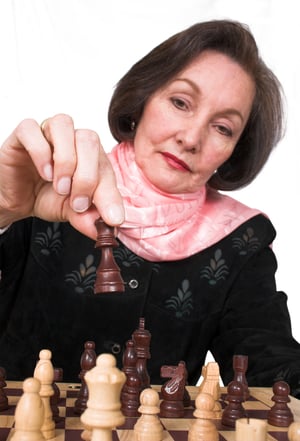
(108, 276)
(172, 392)
(240, 366)
(87, 362)
(234, 409)
(54, 399)
(3, 396)
(130, 395)
(141, 339)
(280, 414)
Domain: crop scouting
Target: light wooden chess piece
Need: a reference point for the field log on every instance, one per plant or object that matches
(294, 431)
(148, 427)
(211, 385)
(29, 413)
(44, 372)
(202, 428)
(103, 412)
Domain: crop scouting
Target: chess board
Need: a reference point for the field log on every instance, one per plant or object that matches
(69, 427)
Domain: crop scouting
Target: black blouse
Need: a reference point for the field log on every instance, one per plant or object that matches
(222, 299)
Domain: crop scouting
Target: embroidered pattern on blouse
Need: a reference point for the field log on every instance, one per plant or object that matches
(246, 243)
(50, 241)
(127, 258)
(84, 278)
(217, 269)
(182, 302)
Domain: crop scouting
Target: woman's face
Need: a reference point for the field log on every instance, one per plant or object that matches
(190, 126)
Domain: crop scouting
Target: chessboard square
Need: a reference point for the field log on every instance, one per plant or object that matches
(255, 405)
(6, 434)
(74, 423)
(14, 391)
(227, 436)
(70, 402)
(278, 430)
(176, 424)
(62, 411)
(123, 435)
(72, 435)
(277, 436)
(6, 420)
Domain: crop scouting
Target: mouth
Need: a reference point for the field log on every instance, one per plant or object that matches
(175, 162)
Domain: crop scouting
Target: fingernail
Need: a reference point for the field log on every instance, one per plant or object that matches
(64, 185)
(48, 172)
(81, 204)
(115, 213)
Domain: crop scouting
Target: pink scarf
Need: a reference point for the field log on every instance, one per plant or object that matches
(161, 226)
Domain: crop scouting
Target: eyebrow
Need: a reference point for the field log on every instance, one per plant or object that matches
(229, 110)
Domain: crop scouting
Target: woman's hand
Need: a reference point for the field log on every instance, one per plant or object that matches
(57, 173)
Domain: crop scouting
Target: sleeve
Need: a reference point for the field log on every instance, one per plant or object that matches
(14, 248)
(256, 322)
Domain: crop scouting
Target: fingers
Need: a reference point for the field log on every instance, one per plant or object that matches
(74, 160)
(107, 197)
(82, 169)
(59, 132)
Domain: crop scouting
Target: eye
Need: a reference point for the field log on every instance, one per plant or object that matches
(224, 130)
(179, 103)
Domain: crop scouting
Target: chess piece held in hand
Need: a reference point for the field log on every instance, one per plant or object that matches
(108, 276)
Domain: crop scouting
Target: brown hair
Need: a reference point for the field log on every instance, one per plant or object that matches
(264, 128)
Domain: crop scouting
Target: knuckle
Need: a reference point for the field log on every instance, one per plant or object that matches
(85, 135)
(60, 120)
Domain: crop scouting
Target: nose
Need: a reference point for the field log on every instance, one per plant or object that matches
(191, 137)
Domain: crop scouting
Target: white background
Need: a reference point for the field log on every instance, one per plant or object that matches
(67, 55)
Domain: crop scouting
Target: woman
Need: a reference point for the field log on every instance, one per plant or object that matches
(198, 114)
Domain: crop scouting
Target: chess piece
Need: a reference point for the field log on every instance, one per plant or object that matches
(103, 412)
(29, 413)
(294, 431)
(172, 392)
(240, 366)
(44, 372)
(3, 396)
(87, 362)
(130, 395)
(148, 427)
(234, 409)
(280, 414)
(108, 276)
(54, 399)
(141, 338)
(202, 428)
(211, 385)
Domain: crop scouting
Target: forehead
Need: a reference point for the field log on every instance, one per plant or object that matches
(217, 63)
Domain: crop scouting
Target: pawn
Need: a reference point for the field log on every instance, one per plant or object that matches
(280, 414)
(87, 362)
(148, 427)
(294, 431)
(130, 395)
(202, 428)
(29, 413)
(234, 409)
(44, 372)
(3, 396)
(54, 399)
(240, 366)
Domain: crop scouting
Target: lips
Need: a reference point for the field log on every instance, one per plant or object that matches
(175, 162)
